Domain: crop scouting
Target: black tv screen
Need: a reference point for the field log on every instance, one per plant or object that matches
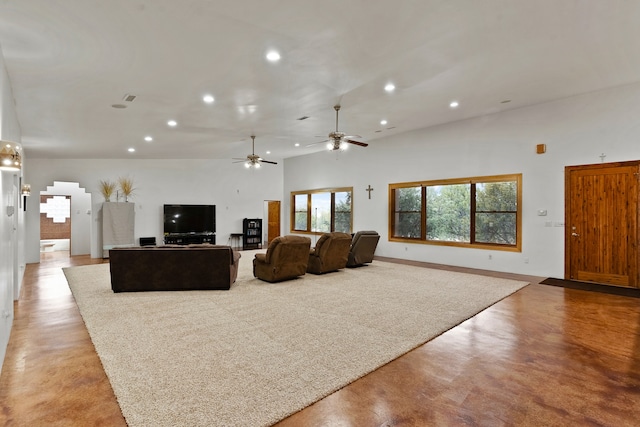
(190, 219)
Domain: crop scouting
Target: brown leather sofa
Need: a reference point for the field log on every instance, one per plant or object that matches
(363, 247)
(330, 254)
(173, 268)
(286, 258)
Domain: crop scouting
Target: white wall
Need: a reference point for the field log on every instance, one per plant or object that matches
(237, 192)
(11, 227)
(576, 130)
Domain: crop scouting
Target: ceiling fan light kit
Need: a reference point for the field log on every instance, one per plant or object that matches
(253, 160)
(339, 140)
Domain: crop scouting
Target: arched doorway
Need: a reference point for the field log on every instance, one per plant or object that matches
(79, 215)
(55, 223)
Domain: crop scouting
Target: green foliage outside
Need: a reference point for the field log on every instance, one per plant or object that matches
(321, 212)
(449, 212)
(408, 208)
(496, 204)
(300, 201)
(321, 221)
(343, 212)
(301, 221)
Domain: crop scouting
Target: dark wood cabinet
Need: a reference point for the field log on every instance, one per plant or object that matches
(251, 233)
(189, 238)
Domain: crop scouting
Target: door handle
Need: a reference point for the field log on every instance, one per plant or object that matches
(575, 234)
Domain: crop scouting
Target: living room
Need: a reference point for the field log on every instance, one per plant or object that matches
(576, 130)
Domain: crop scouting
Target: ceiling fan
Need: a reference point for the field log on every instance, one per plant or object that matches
(253, 160)
(339, 140)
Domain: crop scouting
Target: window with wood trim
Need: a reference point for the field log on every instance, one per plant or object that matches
(322, 211)
(472, 212)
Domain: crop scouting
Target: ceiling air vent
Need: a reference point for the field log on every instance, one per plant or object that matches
(129, 98)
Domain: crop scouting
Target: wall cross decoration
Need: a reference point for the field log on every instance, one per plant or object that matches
(369, 189)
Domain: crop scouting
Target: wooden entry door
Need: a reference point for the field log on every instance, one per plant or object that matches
(602, 223)
(273, 220)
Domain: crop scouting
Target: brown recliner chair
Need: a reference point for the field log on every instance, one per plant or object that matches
(286, 258)
(330, 253)
(362, 248)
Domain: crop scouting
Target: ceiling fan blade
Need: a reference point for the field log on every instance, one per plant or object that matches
(316, 143)
(361, 144)
(268, 161)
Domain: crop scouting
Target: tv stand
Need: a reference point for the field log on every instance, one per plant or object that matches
(189, 238)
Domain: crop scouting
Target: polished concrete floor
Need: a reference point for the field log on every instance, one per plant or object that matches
(544, 356)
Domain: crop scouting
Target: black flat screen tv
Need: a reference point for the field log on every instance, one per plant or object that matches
(189, 219)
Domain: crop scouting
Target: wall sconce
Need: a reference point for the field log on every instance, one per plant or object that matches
(26, 190)
(10, 157)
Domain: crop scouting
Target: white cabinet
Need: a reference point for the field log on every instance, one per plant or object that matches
(118, 220)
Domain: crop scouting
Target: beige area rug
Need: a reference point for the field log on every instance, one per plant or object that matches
(255, 354)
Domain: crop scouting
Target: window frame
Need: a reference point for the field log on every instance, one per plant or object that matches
(333, 192)
(517, 178)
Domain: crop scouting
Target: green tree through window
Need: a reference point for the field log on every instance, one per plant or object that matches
(448, 212)
(480, 211)
(322, 211)
(407, 214)
(343, 211)
(496, 210)
(300, 211)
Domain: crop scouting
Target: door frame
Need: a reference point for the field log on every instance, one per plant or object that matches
(266, 219)
(634, 270)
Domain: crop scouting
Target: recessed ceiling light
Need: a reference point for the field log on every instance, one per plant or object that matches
(383, 122)
(208, 99)
(297, 145)
(172, 123)
(131, 150)
(390, 87)
(268, 152)
(454, 104)
(273, 56)
(148, 138)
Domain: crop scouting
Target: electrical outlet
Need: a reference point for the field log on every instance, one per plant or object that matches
(490, 256)
(526, 260)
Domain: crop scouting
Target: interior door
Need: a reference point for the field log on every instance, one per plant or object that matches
(602, 223)
(273, 220)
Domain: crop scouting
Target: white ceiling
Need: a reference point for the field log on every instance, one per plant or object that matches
(69, 61)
